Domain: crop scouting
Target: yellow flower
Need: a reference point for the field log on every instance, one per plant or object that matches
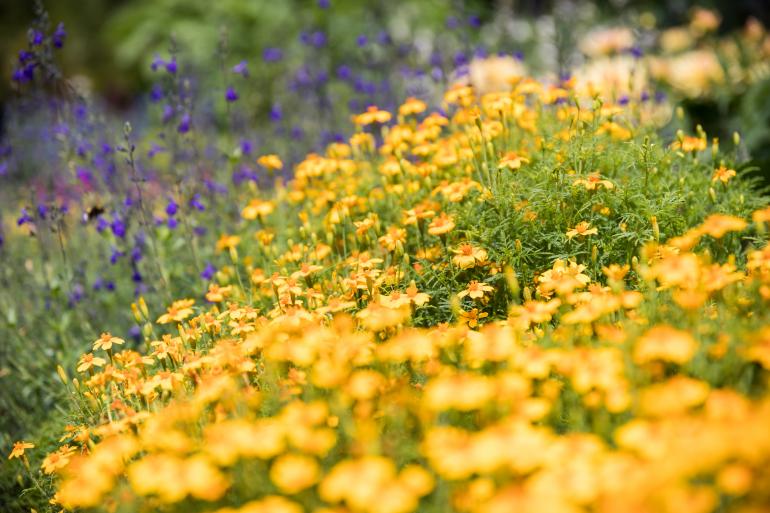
(592, 182)
(416, 297)
(717, 225)
(468, 256)
(177, 312)
(89, 360)
(472, 317)
(19, 448)
(412, 106)
(372, 115)
(217, 294)
(722, 174)
(257, 208)
(583, 229)
(105, 341)
(227, 242)
(293, 473)
(57, 460)
(475, 290)
(443, 224)
(270, 161)
(512, 160)
(689, 143)
(665, 343)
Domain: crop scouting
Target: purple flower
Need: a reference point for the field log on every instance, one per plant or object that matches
(245, 149)
(59, 35)
(623, 100)
(168, 113)
(383, 38)
(3, 168)
(156, 93)
(272, 54)
(42, 211)
(200, 231)
(116, 255)
(172, 208)
(157, 62)
(195, 202)
(84, 175)
(171, 66)
(276, 114)
(77, 294)
(297, 133)
(135, 332)
(110, 285)
(344, 72)
(208, 272)
(118, 228)
(36, 38)
(231, 95)
(184, 124)
(101, 224)
(241, 69)
(636, 52)
(24, 218)
(25, 56)
(318, 39)
(136, 276)
(362, 40)
(474, 21)
(324, 4)
(172, 223)
(460, 59)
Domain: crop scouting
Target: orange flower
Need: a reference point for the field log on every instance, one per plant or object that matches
(592, 182)
(19, 448)
(442, 225)
(89, 360)
(270, 161)
(717, 225)
(467, 256)
(512, 160)
(689, 143)
(412, 106)
(57, 460)
(722, 174)
(257, 208)
(227, 242)
(394, 238)
(372, 115)
(416, 297)
(105, 341)
(177, 312)
(475, 290)
(665, 343)
(472, 317)
(583, 229)
(293, 473)
(218, 294)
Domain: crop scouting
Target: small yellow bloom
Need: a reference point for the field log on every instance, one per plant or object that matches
(293, 473)
(177, 312)
(722, 174)
(19, 448)
(512, 160)
(443, 224)
(476, 290)
(105, 341)
(372, 115)
(583, 229)
(270, 161)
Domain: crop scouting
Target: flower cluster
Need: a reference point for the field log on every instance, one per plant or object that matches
(520, 302)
